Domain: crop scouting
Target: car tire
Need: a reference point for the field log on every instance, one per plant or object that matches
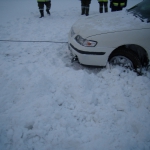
(125, 58)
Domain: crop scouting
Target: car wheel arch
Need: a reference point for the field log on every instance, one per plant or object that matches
(138, 50)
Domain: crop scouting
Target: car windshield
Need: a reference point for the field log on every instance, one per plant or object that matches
(141, 10)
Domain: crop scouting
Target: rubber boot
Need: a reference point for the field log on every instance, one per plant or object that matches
(87, 12)
(48, 12)
(42, 14)
(82, 11)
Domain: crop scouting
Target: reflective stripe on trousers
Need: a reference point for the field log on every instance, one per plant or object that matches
(117, 4)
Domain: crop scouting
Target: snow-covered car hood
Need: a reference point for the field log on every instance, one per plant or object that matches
(108, 22)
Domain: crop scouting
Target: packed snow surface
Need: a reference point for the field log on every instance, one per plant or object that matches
(49, 103)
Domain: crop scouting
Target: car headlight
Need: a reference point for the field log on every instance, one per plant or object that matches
(72, 32)
(85, 42)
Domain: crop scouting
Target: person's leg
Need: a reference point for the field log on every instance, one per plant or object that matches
(87, 5)
(106, 6)
(83, 7)
(101, 7)
(41, 8)
(48, 6)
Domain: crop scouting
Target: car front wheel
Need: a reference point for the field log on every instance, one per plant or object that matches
(125, 58)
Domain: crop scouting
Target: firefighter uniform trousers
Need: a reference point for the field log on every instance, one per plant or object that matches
(103, 3)
(85, 4)
(41, 4)
(117, 5)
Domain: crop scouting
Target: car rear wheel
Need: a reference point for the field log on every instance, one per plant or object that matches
(125, 58)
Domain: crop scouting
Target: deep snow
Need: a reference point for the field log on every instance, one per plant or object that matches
(48, 103)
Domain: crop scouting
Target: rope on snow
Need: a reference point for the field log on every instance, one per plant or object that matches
(31, 41)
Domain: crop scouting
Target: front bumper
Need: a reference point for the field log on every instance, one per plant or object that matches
(88, 57)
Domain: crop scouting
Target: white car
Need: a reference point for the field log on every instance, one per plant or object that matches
(120, 38)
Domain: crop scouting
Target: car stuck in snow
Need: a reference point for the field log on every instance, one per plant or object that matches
(120, 38)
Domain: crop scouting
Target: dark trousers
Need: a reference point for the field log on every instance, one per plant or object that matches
(47, 4)
(101, 5)
(116, 8)
(85, 4)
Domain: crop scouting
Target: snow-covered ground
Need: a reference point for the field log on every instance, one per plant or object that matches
(48, 103)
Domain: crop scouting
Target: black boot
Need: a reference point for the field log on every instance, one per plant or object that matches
(83, 11)
(48, 12)
(42, 14)
(87, 12)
